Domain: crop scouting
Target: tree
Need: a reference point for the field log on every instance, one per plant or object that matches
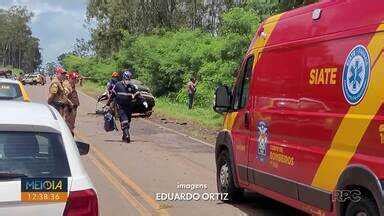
(114, 17)
(18, 48)
(61, 57)
(50, 68)
(168, 41)
(82, 48)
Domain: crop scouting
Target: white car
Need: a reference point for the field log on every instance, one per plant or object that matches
(12, 90)
(38, 157)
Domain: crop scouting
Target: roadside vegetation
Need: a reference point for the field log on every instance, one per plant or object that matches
(15, 71)
(203, 116)
(168, 42)
(92, 89)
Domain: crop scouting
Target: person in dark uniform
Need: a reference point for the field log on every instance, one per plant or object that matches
(112, 82)
(124, 94)
(110, 85)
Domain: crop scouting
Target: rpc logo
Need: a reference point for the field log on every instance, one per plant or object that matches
(346, 195)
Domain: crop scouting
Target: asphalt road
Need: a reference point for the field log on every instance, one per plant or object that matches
(128, 176)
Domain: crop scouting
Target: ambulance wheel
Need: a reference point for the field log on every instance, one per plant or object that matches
(225, 179)
(365, 207)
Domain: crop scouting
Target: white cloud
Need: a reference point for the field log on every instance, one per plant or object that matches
(56, 22)
(40, 7)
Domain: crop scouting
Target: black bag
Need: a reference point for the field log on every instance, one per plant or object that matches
(109, 122)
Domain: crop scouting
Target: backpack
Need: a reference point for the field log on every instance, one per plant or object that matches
(109, 122)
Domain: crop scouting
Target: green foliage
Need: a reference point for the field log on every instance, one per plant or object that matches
(114, 17)
(205, 117)
(97, 70)
(15, 71)
(166, 59)
(240, 20)
(266, 8)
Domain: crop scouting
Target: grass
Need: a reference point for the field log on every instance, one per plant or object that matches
(91, 88)
(17, 71)
(167, 108)
(205, 117)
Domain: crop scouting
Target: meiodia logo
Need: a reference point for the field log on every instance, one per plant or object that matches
(44, 189)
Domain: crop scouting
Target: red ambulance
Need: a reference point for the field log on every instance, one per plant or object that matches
(304, 121)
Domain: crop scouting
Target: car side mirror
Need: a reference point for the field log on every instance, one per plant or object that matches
(82, 147)
(222, 99)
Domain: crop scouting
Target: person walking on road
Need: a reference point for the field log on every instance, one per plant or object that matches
(123, 94)
(112, 82)
(71, 112)
(59, 90)
(191, 89)
(110, 85)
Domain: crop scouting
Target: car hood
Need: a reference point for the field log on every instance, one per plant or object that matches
(140, 86)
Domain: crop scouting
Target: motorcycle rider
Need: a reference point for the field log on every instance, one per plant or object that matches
(124, 93)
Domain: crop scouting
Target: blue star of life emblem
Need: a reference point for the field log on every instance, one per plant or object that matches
(262, 140)
(356, 74)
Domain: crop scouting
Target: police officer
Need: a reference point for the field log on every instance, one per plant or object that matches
(71, 111)
(124, 93)
(58, 91)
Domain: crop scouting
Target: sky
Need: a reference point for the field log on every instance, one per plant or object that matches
(57, 23)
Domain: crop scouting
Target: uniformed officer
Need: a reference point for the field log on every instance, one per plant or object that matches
(59, 90)
(112, 82)
(124, 93)
(110, 85)
(71, 111)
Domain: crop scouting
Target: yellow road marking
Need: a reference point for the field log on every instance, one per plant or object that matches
(353, 127)
(129, 197)
(128, 181)
(131, 184)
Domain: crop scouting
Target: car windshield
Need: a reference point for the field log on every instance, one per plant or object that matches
(33, 154)
(9, 91)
